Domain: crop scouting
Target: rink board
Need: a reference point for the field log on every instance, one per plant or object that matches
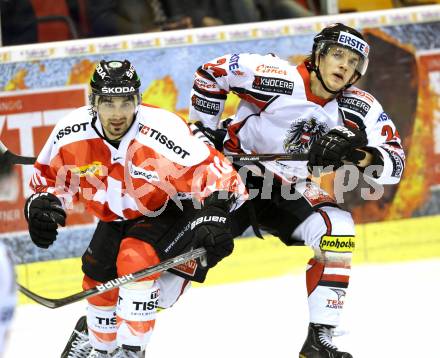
(253, 258)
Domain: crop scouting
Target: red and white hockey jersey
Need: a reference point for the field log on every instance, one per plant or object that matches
(278, 113)
(157, 159)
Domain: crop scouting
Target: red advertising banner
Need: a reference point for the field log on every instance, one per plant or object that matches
(26, 120)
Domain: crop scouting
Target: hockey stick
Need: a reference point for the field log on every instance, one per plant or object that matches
(251, 158)
(12, 158)
(109, 285)
(7, 157)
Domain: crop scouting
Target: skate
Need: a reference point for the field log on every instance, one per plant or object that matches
(319, 343)
(128, 352)
(78, 345)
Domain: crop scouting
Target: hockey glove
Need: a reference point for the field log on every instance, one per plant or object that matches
(338, 144)
(212, 137)
(43, 212)
(211, 230)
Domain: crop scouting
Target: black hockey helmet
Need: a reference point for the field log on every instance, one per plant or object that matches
(115, 78)
(344, 36)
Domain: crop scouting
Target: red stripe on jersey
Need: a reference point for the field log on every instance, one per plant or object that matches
(233, 143)
(207, 92)
(302, 69)
(313, 275)
(203, 75)
(350, 124)
(335, 278)
(251, 99)
(327, 221)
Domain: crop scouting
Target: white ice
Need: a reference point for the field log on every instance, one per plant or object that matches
(392, 311)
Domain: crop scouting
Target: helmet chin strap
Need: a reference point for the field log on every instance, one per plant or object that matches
(318, 74)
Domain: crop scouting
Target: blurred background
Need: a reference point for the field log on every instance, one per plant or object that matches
(49, 50)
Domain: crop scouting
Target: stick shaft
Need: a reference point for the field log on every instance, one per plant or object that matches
(112, 284)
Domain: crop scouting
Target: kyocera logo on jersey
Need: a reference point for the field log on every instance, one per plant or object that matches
(354, 104)
(211, 218)
(354, 42)
(118, 90)
(205, 106)
(273, 84)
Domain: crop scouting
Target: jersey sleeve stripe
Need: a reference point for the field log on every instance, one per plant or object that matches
(217, 95)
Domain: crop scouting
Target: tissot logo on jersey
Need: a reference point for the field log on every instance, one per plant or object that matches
(354, 42)
(205, 106)
(355, 105)
(163, 139)
(272, 84)
(71, 129)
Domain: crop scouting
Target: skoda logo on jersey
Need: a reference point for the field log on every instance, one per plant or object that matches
(354, 42)
(302, 134)
(118, 90)
(141, 173)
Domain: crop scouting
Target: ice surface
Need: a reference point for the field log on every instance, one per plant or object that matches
(392, 310)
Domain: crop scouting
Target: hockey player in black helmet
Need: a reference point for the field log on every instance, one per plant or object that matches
(312, 107)
(122, 158)
(339, 58)
(114, 97)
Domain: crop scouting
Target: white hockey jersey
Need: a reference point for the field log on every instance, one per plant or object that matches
(158, 159)
(278, 113)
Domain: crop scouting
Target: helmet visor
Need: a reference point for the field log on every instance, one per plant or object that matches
(353, 58)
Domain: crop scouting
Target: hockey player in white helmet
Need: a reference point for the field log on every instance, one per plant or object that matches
(311, 108)
(129, 163)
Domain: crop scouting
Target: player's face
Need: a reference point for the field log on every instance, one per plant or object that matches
(116, 115)
(338, 66)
